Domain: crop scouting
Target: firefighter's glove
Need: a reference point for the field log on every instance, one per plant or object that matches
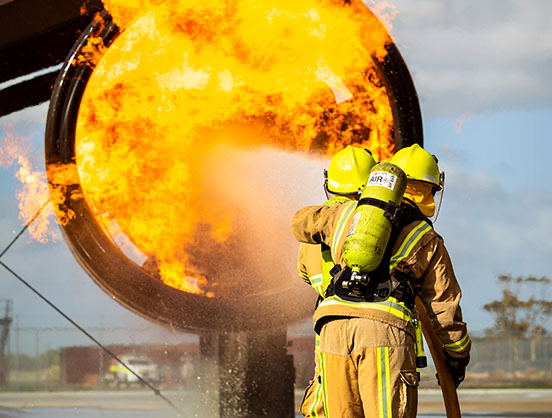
(457, 368)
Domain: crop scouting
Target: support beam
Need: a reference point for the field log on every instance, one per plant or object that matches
(5, 323)
(34, 35)
(253, 377)
(37, 34)
(26, 94)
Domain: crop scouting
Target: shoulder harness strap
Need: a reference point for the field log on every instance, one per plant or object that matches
(381, 283)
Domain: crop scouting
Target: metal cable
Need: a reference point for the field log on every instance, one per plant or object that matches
(81, 329)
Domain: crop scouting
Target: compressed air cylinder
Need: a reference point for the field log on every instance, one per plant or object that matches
(370, 230)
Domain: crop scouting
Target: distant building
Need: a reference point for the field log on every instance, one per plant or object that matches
(90, 365)
(180, 364)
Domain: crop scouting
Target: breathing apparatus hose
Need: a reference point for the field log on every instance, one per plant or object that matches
(450, 396)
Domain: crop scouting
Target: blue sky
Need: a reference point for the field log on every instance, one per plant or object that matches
(482, 70)
(482, 74)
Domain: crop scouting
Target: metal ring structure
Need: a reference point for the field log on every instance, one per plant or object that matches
(132, 286)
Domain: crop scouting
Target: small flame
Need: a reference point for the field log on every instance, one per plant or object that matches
(91, 53)
(33, 191)
(460, 121)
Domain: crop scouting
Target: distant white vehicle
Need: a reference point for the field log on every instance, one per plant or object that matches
(144, 367)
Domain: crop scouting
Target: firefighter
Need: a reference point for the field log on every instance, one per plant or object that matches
(345, 179)
(367, 346)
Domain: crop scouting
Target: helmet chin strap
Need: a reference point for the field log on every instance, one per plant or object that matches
(438, 208)
(326, 191)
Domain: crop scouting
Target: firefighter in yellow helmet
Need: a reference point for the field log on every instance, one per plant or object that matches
(345, 179)
(348, 172)
(424, 178)
(367, 344)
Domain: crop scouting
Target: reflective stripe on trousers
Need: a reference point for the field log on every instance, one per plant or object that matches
(384, 383)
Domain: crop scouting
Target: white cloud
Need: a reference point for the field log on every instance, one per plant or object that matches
(492, 227)
(477, 56)
(26, 120)
(503, 228)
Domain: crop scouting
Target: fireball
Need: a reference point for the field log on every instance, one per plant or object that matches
(190, 87)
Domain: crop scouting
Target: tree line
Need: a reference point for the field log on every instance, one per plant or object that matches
(523, 309)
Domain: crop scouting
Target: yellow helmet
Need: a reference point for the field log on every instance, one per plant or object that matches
(349, 170)
(419, 165)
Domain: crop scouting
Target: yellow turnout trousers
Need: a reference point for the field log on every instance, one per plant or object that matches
(313, 400)
(368, 369)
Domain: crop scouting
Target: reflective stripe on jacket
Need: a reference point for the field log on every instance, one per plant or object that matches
(419, 252)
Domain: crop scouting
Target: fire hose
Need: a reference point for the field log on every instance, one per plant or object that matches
(450, 396)
(81, 329)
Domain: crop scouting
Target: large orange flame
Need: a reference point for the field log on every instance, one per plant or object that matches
(190, 87)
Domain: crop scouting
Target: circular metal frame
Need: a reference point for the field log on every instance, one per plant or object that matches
(126, 282)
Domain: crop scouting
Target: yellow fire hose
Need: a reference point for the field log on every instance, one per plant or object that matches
(450, 396)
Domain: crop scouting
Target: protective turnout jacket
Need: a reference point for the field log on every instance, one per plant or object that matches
(314, 262)
(419, 253)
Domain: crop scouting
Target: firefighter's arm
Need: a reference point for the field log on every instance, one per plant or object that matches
(313, 224)
(441, 294)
